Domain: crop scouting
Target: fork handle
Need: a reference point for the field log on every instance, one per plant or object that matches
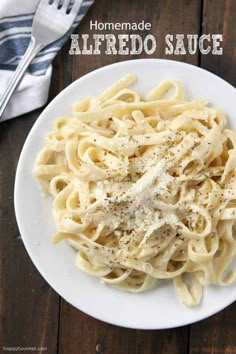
(29, 55)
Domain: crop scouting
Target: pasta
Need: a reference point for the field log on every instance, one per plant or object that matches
(145, 189)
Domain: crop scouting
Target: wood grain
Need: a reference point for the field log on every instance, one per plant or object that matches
(29, 308)
(80, 333)
(216, 335)
(182, 16)
(219, 17)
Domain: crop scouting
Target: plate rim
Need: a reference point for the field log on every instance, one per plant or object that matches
(16, 201)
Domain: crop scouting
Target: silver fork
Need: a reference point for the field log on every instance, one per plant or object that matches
(53, 18)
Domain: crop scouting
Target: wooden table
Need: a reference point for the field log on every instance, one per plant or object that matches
(32, 314)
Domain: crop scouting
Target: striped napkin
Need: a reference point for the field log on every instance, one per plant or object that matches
(16, 18)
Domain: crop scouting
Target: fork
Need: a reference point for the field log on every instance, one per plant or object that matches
(53, 18)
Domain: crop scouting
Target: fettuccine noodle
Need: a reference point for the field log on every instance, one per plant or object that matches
(145, 189)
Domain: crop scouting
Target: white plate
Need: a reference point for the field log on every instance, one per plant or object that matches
(154, 309)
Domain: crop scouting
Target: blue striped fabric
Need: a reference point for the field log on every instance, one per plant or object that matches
(15, 32)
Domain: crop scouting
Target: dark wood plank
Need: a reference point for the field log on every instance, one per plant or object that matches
(217, 333)
(29, 308)
(180, 16)
(80, 333)
(219, 17)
